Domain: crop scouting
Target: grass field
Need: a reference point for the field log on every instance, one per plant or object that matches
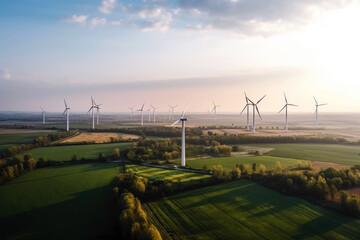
(68, 202)
(154, 174)
(230, 162)
(64, 153)
(333, 153)
(10, 139)
(245, 210)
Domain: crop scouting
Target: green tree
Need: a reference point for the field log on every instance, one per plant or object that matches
(333, 190)
(116, 154)
(102, 157)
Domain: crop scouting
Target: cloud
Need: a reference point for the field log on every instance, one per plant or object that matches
(107, 6)
(257, 16)
(77, 19)
(5, 74)
(98, 22)
(156, 19)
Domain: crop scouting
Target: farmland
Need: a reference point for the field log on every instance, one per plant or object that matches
(340, 154)
(230, 162)
(154, 174)
(245, 210)
(99, 137)
(9, 138)
(68, 202)
(64, 153)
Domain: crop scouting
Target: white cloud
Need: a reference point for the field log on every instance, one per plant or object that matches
(150, 12)
(161, 23)
(107, 6)
(77, 19)
(5, 74)
(117, 23)
(98, 22)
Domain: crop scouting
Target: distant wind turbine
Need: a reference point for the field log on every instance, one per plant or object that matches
(172, 111)
(142, 114)
(255, 107)
(215, 107)
(43, 115)
(286, 111)
(183, 120)
(132, 111)
(154, 108)
(67, 109)
(316, 110)
(92, 112)
(149, 110)
(97, 106)
(247, 112)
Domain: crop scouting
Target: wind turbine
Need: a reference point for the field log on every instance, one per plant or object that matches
(172, 111)
(97, 106)
(43, 115)
(215, 107)
(254, 105)
(183, 120)
(154, 108)
(67, 109)
(92, 112)
(286, 111)
(149, 110)
(316, 110)
(132, 111)
(247, 112)
(142, 114)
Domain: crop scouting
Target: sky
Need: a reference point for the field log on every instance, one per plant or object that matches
(161, 52)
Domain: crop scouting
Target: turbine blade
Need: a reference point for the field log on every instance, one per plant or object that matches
(285, 98)
(315, 100)
(90, 109)
(64, 111)
(176, 122)
(214, 103)
(142, 106)
(250, 101)
(282, 109)
(257, 110)
(65, 103)
(243, 109)
(293, 105)
(42, 109)
(323, 104)
(183, 113)
(261, 99)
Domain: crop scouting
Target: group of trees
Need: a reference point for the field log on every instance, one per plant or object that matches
(38, 142)
(16, 167)
(156, 131)
(149, 149)
(350, 204)
(133, 221)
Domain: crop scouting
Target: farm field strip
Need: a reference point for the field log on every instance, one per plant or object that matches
(65, 153)
(334, 153)
(245, 210)
(155, 174)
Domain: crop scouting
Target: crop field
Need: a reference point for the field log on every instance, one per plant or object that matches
(64, 153)
(99, 137)
(333, 153)
(245, 210)
(230, 162)
(67, 202)
(8, 138)
(154, 174)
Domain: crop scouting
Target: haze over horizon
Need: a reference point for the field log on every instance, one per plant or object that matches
(164, 52)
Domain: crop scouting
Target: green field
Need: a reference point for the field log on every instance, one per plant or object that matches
(68, 202)
(333, 153)
(245, 210)
(230, 162)
(7, 140)
(64, 153)
(154, 174)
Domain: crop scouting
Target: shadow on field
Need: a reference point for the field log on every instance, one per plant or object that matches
(82, 169)
(88, 213)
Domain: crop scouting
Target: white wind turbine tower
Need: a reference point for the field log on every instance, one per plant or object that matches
(97, 106)
(247, 112)
(67, 109)
(154, 108)
(43, 115)
(254, 105)
(215, 107)
(286, 111)
(142, 114)
(92, 112)
(316, 110)
(183, 120)
(172, 111)
(149, 110)
(132, 111)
